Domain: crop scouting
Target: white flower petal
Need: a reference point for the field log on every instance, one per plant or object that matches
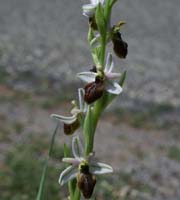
(73, 161)
(88, 6)
(88, 10)
(75, 111)
(87, 77)
(108, 63)
(113, 87)
(68, 174)
(100, 168)
(81, 100)
(113, 75)
(66, 120)
(94, 2)
(77, 148)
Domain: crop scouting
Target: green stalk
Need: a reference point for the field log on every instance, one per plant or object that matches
(44, 173)
(87, 132)
(103, 50)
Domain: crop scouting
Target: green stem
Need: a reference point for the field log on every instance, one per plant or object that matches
(87, 132)
(44, 173)
(103, 50)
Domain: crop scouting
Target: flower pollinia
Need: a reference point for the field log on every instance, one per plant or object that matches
(98, 83)
(89, 9)
(72, 123)
(83, 169)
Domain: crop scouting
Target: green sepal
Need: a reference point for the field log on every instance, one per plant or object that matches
(90, 35)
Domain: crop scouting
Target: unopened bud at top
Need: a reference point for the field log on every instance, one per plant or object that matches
(120, 47)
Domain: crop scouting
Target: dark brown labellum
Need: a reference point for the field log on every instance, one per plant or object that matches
(92, 23)
(93, 90)
(120, 47)
(69, 129)
(86, 183)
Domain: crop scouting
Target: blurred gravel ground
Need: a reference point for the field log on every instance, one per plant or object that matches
(42, 38)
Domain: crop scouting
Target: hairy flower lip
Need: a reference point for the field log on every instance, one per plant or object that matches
(93, 90)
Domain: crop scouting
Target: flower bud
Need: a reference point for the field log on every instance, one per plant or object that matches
(93, 90)
(69, 129)
(86, 182)
(120, 47)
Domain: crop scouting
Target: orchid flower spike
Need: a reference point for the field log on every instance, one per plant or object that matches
(83, 169)
(89, 9)
(72, 123)
(97, 84)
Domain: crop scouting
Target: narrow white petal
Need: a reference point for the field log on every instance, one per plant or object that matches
(75, 111)
(66, 120)
(88, 7)
(68, 174)
(88, 10)
(81, 100)
(111, 66)
(113, 75)
(73, 161)
(87, 77)
(100, 168)
(108, 58)
(113, 87)
(77, 148)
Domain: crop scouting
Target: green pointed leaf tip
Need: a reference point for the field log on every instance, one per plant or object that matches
(113, 2)
(107, 8)
(66, 151)
(123, 78)
(99, 15)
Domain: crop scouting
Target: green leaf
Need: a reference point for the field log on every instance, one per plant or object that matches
(100, 21)
(107, 8)
(44, 173)
(123, 78)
